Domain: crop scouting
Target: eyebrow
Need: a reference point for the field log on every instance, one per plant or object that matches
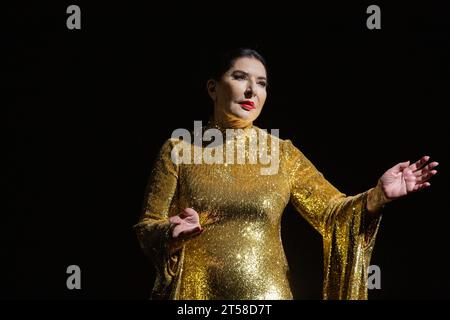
(247, 74)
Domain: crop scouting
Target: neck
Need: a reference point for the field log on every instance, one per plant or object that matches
(226, 121)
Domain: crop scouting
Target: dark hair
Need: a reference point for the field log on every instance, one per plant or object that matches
(225, 60)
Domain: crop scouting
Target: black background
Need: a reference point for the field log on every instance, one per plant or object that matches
(90, 108)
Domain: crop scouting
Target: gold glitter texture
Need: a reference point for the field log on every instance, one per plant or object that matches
(240, 254)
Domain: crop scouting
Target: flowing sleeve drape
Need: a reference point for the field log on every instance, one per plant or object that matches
(153, 228)
(348, 230)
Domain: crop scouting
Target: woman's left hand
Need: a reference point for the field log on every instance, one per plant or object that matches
(404, 178)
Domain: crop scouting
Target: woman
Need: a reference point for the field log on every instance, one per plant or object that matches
(213, 229)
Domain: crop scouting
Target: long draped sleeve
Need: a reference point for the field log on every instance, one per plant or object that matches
(153, 228)
(348, 230)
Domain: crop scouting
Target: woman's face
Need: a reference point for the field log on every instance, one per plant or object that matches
(241, 92)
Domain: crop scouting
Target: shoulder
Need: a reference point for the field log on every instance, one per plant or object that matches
(169, 144)
(287, 147)
(271, 134)
(289, 150)
(293, 154)
(167, 151)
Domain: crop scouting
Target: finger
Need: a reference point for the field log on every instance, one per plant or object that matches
(210, 220)
(408, 172)
(421, 186)
(188, 234)
(400, 166)
(426, 169)
(183, 230)
(409, 179)
(176, 232)
(425, 177)
(189, 211)
(419, 163)
(175, 219)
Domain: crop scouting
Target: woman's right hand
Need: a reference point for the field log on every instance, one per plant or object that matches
(185, 225)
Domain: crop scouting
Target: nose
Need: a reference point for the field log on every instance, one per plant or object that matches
(250, 90)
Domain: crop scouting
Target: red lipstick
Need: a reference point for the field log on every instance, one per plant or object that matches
(247, 105)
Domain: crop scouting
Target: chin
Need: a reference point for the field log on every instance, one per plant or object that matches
(244, 115)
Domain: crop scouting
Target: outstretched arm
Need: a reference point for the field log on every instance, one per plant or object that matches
(399, 181)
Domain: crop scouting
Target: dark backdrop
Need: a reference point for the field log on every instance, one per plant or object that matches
(91, 107)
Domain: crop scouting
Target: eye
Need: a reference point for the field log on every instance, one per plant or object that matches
(239, 76)
(262, 84)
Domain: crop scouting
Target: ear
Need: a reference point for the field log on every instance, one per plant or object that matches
(211, 86)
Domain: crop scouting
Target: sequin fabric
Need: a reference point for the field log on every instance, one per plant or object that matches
(240, 254)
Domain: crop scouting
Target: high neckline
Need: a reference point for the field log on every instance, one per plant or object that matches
(212, 123)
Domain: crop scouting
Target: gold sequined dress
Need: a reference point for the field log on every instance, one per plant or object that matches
(240, 254)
